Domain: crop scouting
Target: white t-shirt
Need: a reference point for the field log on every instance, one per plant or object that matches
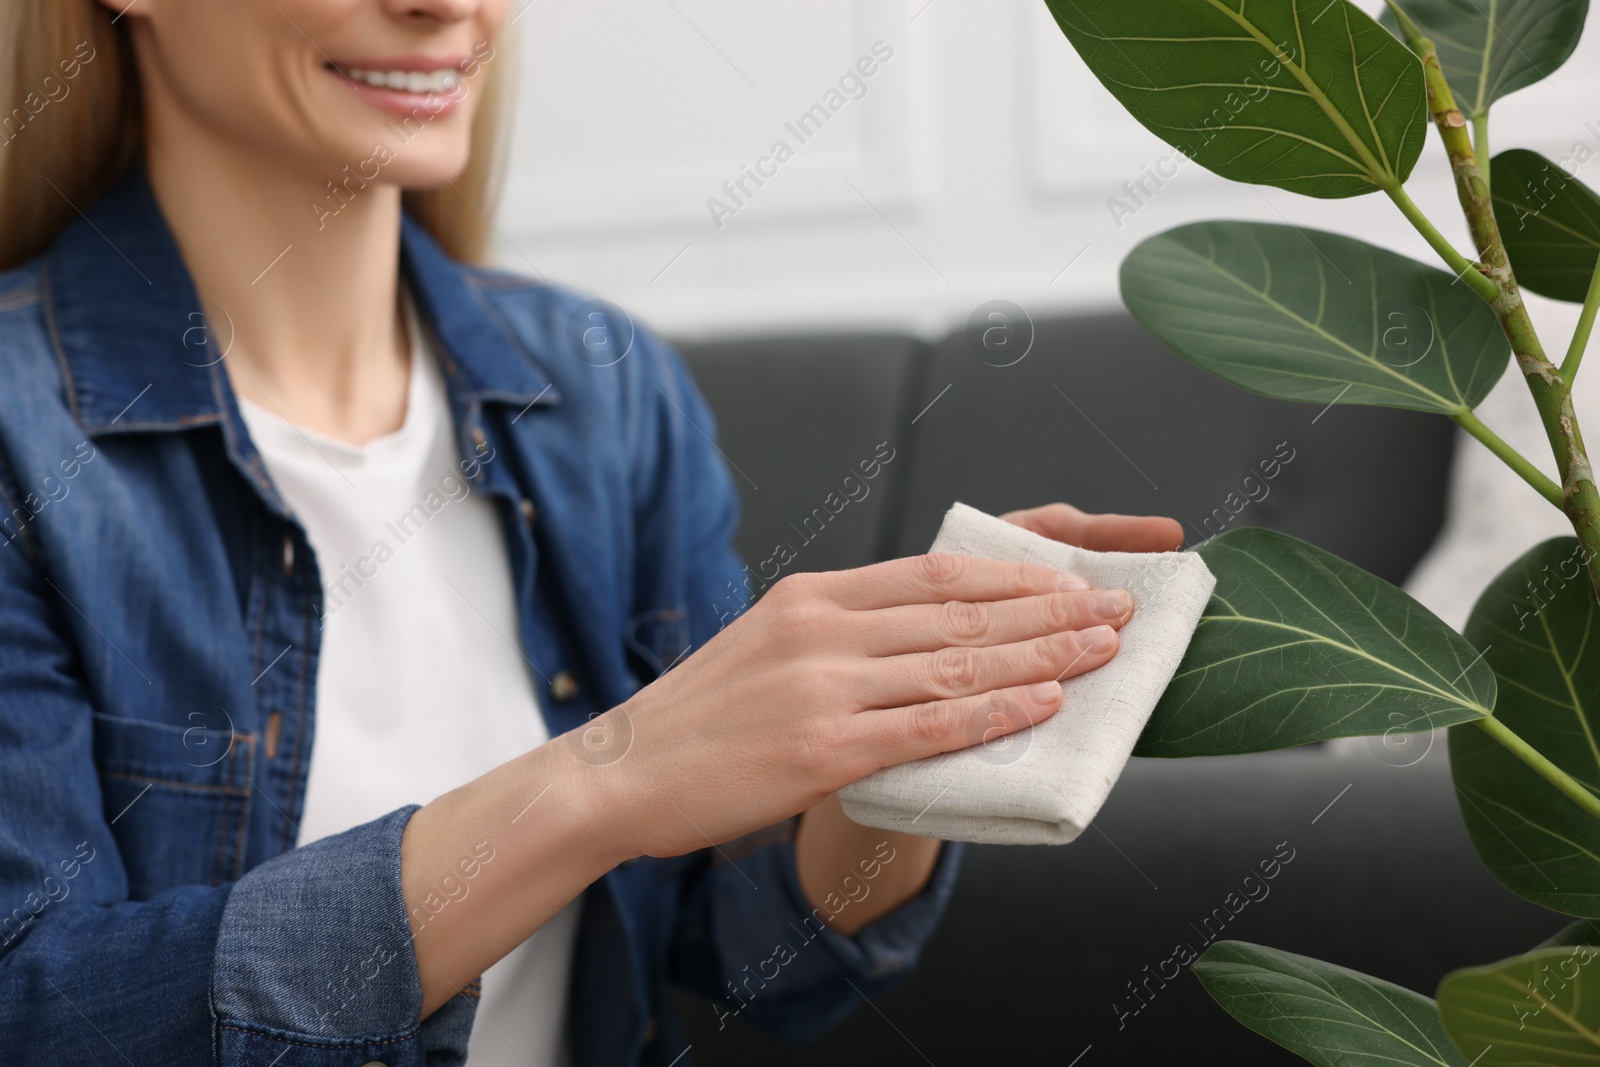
(421, 687)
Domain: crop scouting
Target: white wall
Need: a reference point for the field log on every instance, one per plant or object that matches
(978, 164)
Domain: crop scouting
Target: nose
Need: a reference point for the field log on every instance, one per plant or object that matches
(440, 11)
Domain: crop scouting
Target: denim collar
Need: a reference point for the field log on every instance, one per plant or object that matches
(133, 340)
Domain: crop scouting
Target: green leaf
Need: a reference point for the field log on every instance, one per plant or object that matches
(1297, 645)
(1539, 626)
(1491, 48)
(1314, 97)
(1306, 315)
(1539, 1008)
(1331, 1016)
(1582, 932)
(1550, 224)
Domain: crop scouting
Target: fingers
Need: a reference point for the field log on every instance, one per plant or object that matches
(1100, 533)
(949, 673)
(898, 735)
(938, 577)
(926, 627)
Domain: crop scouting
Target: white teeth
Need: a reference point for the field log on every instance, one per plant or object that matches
(411, 81)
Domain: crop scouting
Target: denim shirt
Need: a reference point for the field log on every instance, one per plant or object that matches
(159, 609)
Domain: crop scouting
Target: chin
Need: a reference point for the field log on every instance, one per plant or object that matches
(425, 173)
(393, 153)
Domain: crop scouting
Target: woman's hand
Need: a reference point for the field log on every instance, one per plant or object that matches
(826, 679)
(830, 677)
(828, 845)
(1100, 533)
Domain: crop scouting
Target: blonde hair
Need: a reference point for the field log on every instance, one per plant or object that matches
(51, 168)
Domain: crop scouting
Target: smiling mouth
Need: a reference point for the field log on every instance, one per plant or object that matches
(444, 81)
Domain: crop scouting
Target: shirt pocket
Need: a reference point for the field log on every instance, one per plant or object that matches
(177, 799)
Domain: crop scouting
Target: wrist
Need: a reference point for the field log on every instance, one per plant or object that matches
(587, 809)
(837, 859)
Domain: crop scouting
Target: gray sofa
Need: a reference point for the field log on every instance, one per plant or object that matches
(1049, 954)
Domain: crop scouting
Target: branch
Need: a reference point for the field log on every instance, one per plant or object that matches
(1510, 456)
(1575, 790)
(1580, 498)
(1480, 144)
(1465, 269)
(1580, 336)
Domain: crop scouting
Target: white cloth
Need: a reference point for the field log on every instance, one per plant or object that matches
(419, 688)
(1043, 785)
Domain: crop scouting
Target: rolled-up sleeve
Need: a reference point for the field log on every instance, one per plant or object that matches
(751, 943)
(305, 960)
(314, 954)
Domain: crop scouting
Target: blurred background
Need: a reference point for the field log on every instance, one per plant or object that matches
(944, 162)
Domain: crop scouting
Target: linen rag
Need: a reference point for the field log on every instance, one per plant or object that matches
(1044, 784)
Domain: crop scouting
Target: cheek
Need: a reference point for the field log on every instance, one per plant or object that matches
(255, 72)
(246, 69)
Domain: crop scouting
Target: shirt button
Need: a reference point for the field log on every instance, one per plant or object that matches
(288, 553)
(563, 687)
(529, 516)
(478, 440)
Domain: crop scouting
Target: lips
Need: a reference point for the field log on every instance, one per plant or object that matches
(404, 84)
(413, 81)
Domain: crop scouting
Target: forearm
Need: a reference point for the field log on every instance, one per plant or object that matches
(486, 865)
(829, 848)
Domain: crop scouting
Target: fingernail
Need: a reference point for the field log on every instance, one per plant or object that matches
(1045, 692)
(1111, 603)
(1098, 638)
(1071, 583)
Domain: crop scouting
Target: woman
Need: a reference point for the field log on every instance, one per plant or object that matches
(315, 536)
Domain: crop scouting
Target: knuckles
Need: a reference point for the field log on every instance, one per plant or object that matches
(796, 607)
(817, 750)
(931, 724)
(1022, 580)
(798, 588)
(941, 570)
(953, 670)
(1059, 613)
(965, 620)
(1046, 652)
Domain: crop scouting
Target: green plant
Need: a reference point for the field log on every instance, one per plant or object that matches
(1298, 645)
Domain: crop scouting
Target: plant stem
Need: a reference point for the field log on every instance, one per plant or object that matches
(1552, 395)
(1511, 457)
(1464, 267)
(1574, 789)
(1580, 336)
(1480, 144)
